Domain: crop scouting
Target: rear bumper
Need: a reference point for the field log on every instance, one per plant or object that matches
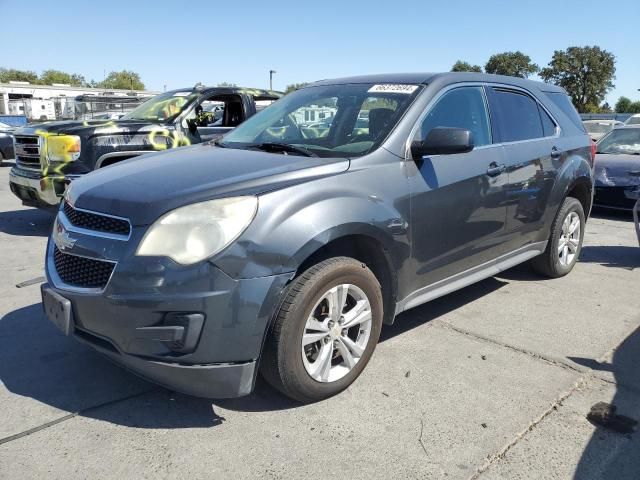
(35, 190)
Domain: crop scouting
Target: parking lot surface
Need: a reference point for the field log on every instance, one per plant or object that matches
(491, 382)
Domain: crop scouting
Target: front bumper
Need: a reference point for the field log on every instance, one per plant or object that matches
(617, 198)
(128, 320)
(35, 190)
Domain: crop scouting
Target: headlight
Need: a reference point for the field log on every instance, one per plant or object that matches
(62, 148)
(195, 232)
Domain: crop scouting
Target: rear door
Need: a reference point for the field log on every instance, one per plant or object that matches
(529, 136)
(457, 201)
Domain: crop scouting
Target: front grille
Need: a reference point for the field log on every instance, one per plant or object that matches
(27, 151)
(613, 197)
(95, 221)
(82, 272)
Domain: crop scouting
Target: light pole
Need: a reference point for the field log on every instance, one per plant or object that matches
(271, 72)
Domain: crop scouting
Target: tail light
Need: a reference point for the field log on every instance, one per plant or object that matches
(593, 152)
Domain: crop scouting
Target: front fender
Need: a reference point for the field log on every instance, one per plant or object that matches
(293, 223)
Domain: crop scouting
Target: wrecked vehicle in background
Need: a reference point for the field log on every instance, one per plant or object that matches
(617, 169)
(52, 154)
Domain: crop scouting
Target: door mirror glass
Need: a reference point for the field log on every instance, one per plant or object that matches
(443, 141)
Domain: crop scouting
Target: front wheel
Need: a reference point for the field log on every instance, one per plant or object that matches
(326, 330)
(565, 242)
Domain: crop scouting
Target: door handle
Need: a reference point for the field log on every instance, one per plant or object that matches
(494, 169)
(555, 153)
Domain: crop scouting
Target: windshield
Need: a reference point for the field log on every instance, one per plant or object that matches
(622, 140)
(347, 120)
(635, 120)
(162, 108)
(598, 127)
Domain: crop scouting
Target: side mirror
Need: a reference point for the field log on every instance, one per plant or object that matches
(443, 141)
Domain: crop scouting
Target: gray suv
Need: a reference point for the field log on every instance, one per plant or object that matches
(283, 247)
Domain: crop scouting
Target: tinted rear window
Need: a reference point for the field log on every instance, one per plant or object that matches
(517, 115)
(563, 102)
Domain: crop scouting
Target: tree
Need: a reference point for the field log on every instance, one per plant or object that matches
(634, 108)
(295, 86)
(49, 77)
(513, 64)
(623, 104)
(227, 84)
(124, 80)
(605, 108)
(461, 66)
(8, 74)
(586, 73)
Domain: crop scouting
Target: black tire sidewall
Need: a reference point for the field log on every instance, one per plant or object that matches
(290, 354)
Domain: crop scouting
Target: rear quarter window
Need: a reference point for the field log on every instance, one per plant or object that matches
(563, 102)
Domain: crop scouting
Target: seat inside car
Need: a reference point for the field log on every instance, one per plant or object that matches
(232, 114)
(378, 119)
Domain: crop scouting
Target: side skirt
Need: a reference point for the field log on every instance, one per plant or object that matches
(468, 277)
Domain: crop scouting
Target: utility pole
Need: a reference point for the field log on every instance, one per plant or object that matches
(271, 72)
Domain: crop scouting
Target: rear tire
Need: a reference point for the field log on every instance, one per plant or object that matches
(325, 331)
(565, 242)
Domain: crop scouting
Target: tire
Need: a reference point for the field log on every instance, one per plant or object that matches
(1, 159)
(296, 370)
(556, 262)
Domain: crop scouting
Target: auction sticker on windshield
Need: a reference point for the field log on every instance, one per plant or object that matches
(393, 88)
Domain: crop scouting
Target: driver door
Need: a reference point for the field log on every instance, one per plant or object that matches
(458, 207)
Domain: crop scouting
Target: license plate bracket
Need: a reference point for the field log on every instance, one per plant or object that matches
(57, 309)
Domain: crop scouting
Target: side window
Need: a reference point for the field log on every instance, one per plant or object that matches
(517, 116)
(461, 108)
(548, 125)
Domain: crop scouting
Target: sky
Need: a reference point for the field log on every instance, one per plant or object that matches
(174, 44)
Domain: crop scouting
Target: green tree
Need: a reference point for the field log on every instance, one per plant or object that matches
(513, 64)
(461, 66)
(586, 73)
(622, 105)
(124, 80)
(227, 84)
(295, 86)
(8, 74)
(49, 77)
(606, 108)
(634, 108)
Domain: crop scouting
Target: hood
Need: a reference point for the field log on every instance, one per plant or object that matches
(84, 128)
(144, 188)
(622, 170)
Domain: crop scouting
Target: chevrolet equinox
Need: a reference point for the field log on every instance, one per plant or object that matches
(286, 245)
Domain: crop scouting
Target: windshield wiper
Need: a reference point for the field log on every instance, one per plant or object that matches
(282, 147)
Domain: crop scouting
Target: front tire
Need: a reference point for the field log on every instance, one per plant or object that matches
(325, 331)
(565, 242)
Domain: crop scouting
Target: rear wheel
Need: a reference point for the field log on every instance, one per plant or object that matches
(325, 331)
(565, 242)
(1, 159)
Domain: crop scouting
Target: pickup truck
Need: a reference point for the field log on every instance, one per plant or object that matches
(52, 154)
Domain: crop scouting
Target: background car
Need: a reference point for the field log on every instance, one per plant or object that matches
(617, 168)
(599, 128)
(633, 120)
(6, 142)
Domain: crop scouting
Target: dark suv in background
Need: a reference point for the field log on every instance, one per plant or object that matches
(284, 247)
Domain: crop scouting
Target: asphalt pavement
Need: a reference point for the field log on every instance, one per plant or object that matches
(492, 382)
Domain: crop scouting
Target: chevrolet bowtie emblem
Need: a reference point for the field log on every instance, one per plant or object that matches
(62, 238)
